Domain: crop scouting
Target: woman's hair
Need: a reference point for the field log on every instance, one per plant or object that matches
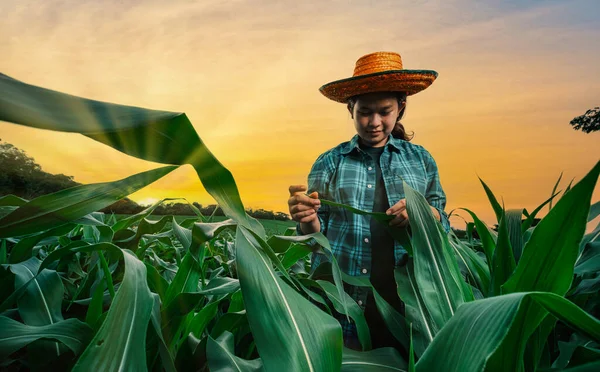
(398, 131)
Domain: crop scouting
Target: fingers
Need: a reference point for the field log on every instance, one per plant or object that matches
(303, 208)
(397, 208)
(401, 220)
(295, 189)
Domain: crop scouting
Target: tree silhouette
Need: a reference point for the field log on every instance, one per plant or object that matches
(588, 122)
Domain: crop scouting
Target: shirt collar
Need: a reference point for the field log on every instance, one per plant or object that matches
(393, 144)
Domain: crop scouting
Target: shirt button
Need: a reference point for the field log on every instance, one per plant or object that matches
(369, 186)
(366, 240)
(360, 302)
(364, 271)
(370, 168)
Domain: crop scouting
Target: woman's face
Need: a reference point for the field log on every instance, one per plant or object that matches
(374, 117)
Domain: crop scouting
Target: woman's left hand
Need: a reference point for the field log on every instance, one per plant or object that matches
(401, 215)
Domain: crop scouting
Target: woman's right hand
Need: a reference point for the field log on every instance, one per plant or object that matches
(303, 208)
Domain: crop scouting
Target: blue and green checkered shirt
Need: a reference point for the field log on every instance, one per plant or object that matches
(346, 174)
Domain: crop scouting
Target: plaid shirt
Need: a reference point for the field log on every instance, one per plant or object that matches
(346, 174)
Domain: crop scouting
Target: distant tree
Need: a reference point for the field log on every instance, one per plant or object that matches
(20, 175)
(588, 122)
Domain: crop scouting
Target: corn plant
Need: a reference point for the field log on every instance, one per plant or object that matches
(82, 290)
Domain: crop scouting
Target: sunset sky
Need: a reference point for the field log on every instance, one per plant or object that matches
(247, 73)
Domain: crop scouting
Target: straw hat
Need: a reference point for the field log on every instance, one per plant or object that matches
(379, 72)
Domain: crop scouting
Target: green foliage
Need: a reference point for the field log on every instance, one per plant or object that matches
(588, 122)
(86, 291)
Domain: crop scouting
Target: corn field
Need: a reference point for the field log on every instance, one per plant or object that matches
(85, 291)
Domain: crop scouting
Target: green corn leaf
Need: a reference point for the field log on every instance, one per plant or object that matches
(300, 336)
(416, 311)
(498, 210)
(229, 321)
(3, 257)
(120, 344)
(503, 264)
(221, 357)
(513, 225)
(385, 359)
(588, 263)
(23, 250)
(12, 201)
(354, 312)
(477, 269)
(550, 254)
(488, 239)
(165, 355)
(40, 303)
(56, 209)
(437, 275)
(95, 310)
(554, 190)
(186, 279)
(508, 321)
(530, 217)
(14, 336)
(169, 137)
(322, 241)
(202, 318)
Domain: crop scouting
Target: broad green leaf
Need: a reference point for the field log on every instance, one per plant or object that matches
(550, 254)
(229, 321)
(3, 257)
(477, 269)
(186, 279)
(503, 264)
(120, 344)
(221, 357)
(554, 190)
(95, 309)
(437, 274)
(185, 302)
(416, 312)
(513, 224)
(498, 210)
(14, 336)
(156, 282)
(354, 311)
(159, 136)
(165, 355)
(411, 355)
(300, 336)
(146, 227)
(23, 250)
(40, 303)
(488, 239)
(135, 218)
(12, 201)
(202, 318)
(588, 263)
(491, 333)
(56, 209)
(531, 217)
(295, 253)
(322, 241)
(384, 359)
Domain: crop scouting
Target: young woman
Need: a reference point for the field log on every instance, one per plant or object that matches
(366, 173)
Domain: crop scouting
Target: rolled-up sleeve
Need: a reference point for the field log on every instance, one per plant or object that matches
(435, 193)
(318, 180)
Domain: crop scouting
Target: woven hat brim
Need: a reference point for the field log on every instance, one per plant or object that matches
(409, 81)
